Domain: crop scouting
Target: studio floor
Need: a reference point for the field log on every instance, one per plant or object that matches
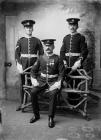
(69, 126)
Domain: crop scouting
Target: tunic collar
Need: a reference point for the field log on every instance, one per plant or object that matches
(26, 36)
(73, 33)
(49, 54)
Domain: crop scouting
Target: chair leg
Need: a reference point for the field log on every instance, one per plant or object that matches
(84, 112)
(87, 116)
(77, 108)
(24, 102)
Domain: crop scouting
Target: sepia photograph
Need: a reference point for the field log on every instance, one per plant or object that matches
(50, 69)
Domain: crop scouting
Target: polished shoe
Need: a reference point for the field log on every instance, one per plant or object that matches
(51, 122)
(34, 119)
(19, 108)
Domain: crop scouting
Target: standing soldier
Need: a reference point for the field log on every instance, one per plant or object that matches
(74, 48)
(27, 50)
(47, 73)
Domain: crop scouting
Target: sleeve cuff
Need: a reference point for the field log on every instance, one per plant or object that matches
(81, 58)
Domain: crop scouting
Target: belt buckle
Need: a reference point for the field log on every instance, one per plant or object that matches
(70, 54)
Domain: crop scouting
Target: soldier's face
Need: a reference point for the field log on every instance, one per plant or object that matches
(28, 30)
(73, 28)
(48, 49)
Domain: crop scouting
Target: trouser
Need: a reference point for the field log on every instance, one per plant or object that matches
(36, 91)
(71, 97)
(68, 79)
(22, 80)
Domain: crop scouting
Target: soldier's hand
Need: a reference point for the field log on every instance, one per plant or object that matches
(76, 65)
(34, 82)
(56, 85)
(19, 67)
(65, 63)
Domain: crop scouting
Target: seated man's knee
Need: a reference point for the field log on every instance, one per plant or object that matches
(34, 91)
(54, 92)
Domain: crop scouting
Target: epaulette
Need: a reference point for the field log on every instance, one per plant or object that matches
(22, 37)
(67, 35)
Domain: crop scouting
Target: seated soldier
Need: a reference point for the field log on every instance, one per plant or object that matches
(46, 73)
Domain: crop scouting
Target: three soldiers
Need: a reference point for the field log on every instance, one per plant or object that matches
(48, 70)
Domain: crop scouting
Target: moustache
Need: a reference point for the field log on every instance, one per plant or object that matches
(48, 50)
(72, 28)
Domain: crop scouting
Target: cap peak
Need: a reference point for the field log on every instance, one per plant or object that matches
(48, 41)
(28, 23)
(73, 20)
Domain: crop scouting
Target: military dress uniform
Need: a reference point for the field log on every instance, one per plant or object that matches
(47, 70)
(74, 48)
(27, 51)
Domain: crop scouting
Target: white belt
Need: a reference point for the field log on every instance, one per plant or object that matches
(29, 55)
(49, 76)
(72, 54)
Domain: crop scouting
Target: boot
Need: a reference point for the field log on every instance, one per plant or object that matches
(51, 122)
(19, 108)
(34, 118)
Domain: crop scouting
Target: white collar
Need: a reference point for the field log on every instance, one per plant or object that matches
(49, 54)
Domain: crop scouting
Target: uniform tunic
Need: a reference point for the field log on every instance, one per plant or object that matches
(74, 47)
(48, 69)
(27, 51)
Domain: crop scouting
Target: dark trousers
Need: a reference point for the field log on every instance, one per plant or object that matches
(36, 91)
(22, 80)
(69, 80)
(73, 98)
